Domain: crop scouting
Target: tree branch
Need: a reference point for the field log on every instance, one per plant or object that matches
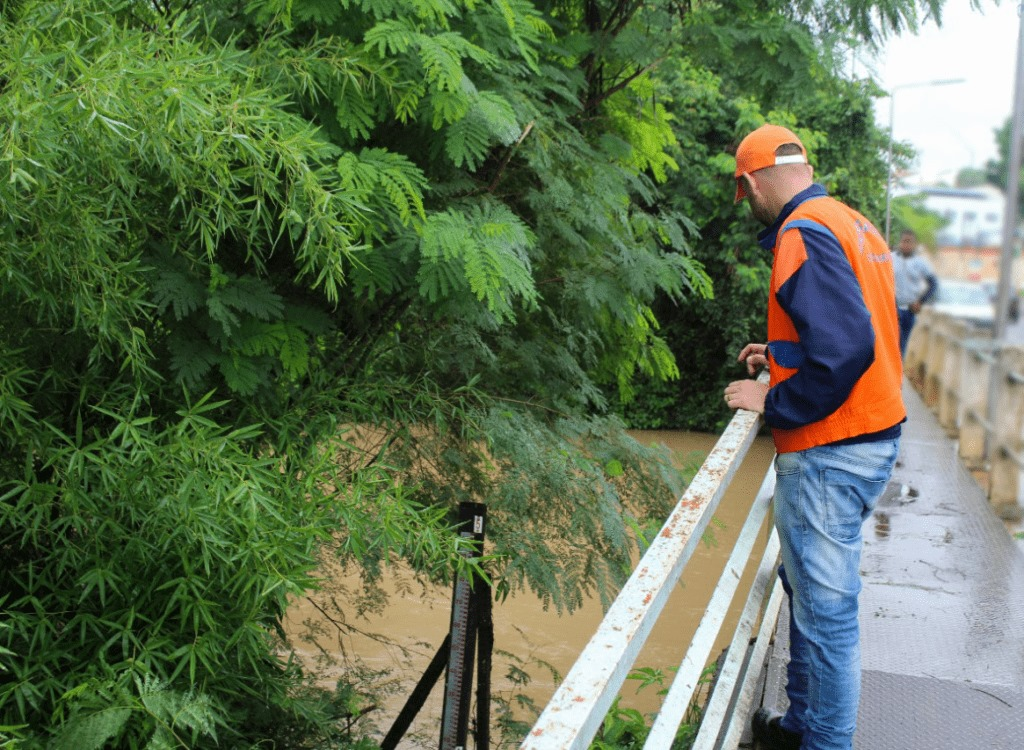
(508, 156)
(596, 100)
(620, 17)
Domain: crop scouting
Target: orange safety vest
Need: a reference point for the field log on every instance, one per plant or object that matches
(876, 401)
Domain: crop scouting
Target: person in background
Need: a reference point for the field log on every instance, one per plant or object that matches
(835, 406)
(915, 284)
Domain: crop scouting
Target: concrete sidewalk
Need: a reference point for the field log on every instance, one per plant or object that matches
(942, 609)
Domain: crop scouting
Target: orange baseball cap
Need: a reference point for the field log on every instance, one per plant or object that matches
(757, 151)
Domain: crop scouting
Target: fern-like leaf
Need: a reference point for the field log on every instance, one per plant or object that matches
(281, 340)
(392, 37)
(387, 182)
(355, 111)
(242, 374)
(485, 249)
(490, 119)
(92, 730)
(433, 11)
(175, 289)
(175, 712)
(249, 295)
(191, 358)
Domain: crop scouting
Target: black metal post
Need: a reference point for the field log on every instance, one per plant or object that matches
(418, 696)
(458, 689)
(485, 648)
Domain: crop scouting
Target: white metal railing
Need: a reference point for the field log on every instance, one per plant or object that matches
(961, 373)
(952, 364)
(577, 709)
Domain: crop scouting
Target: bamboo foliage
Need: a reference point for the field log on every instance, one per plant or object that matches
(287, 280)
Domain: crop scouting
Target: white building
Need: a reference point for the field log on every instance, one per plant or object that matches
(974, 215)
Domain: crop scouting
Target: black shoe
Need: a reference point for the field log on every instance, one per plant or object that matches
(769, 734)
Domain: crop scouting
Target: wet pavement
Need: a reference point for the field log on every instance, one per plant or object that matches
(942, 609)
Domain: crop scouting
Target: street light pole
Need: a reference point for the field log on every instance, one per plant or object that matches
(1010, 215)
(1010, 218)
(892, 113)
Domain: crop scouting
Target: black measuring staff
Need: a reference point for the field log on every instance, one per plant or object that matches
(462, 631)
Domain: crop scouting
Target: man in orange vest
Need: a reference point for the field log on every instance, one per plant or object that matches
(835, 408)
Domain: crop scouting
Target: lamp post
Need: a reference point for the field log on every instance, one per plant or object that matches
(892, 112)
(1010, 219)
(1011, 213)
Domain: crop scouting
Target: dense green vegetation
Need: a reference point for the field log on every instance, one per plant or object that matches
(285, 280)
(997, 171)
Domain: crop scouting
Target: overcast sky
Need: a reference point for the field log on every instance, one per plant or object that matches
(951, 126)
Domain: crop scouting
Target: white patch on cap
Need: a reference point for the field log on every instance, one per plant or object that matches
(791, 159)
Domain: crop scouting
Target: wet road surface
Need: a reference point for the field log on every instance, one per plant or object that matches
(942, 609)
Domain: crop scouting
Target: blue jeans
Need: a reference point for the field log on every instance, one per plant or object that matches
(906, 318)
(822, 497)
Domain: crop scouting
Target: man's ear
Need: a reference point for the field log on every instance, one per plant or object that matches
(749, 184)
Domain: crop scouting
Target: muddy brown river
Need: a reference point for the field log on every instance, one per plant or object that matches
(416, 619)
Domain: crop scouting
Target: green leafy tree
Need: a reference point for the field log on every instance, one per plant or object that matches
(739, 66)
(286, 280)
(997, 170)
(227, 247)
(173, 231)
(969, 177)
(910, 213)
(528, 268)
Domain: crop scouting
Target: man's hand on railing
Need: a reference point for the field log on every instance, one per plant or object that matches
(749, 394)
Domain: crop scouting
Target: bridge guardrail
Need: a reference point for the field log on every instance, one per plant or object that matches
(955, 366)
(577, 709)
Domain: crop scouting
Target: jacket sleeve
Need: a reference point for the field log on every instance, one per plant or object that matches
(823, 298)
(931, 280)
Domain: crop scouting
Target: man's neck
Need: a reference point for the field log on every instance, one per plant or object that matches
(790, 192)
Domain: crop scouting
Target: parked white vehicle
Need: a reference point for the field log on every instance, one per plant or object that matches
(966, 300)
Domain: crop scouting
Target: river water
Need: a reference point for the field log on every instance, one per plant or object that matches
(407, 634)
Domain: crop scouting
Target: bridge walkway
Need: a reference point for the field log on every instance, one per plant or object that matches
(942, 609)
